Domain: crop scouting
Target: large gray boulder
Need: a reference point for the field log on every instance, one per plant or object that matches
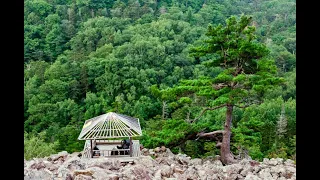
(137, 172)
(99, 173)
(60, 156)
(38, 175)
(265, 174)
(83, 177)
(196, 161)
(233, 170)
(182, 159)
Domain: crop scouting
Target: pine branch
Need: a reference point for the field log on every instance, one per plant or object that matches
(206, 109)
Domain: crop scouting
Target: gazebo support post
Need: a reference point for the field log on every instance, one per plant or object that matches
(130, 146)
(91, 148)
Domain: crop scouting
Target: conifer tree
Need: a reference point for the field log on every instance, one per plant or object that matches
(246, 74)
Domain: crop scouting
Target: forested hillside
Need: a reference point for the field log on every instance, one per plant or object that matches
(84, 58)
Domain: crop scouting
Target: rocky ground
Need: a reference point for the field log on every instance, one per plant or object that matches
(155, 164)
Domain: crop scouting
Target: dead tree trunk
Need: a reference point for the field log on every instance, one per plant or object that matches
(225, 153)
(164, 109)
(92, 13)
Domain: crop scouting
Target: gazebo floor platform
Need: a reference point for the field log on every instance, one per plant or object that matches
(121, 159)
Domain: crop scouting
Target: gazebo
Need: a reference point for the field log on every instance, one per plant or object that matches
(103, 134)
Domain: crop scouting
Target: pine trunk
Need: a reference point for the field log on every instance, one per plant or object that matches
(226, 156)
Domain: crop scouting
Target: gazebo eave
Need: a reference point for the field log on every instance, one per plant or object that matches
(112, 137)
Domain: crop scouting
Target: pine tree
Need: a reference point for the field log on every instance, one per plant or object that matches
(245, 77)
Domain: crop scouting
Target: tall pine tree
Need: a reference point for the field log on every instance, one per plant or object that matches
(245, 75)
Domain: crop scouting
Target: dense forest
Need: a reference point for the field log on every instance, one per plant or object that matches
(84, 58)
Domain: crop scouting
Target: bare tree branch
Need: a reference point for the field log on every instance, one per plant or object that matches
(202, 134)
(219, 144)
(219, 86)
(206, 109)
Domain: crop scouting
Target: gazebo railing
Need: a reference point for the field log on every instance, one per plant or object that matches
(111, 153)
(108, 152)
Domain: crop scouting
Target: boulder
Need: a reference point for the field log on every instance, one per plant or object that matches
(104, 163)
(163, 149)
(52, 167)
(38, 165)
(99, 173)
(272, 161)
(115, 164)
(35, 174)
(278, 169)
(279, 160)
(256, 169)
(145, 151)
(290, 169)
(217, 157)
(63, 172)
(233, 170)
(29, 163)
(282, 178)
(217, 163)
(146, 161)
(169, 153)
(293, 177)
(239, 177)
(79, 154)
(156, 150)
(157, 175)
(191, 173)
(214, 168)
(246, 169)
(84, 172)
(250, 176)
(254, 163)
(216, 177)
(166, 171)
(289, 172)
(289, 162)
(165, 160)
(61, 155)
(202, 174)
(196, 161)
(265, 174)
(182, 159)
(74, 163)
(140, 172)
(177, 170)
(209, 158)
(113, 177)
(82, 177)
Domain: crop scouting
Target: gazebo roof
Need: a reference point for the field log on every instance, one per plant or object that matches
(110, 125)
